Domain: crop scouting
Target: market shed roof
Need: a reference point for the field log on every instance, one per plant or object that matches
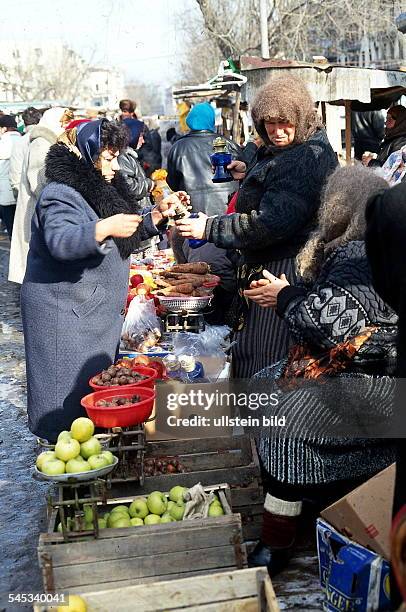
(368, 88)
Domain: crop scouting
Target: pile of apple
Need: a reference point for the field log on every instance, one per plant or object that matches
(143, 286)
(75, 451)
(154, 509)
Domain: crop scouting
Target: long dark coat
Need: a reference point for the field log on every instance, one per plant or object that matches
(74, 291)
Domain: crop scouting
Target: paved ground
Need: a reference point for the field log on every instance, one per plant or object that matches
(22, 499)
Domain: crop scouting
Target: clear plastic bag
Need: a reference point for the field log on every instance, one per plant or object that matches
(142, 328)
(211, 342)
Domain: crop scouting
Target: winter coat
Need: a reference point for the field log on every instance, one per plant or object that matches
(340, 305)
(277, 203)
(150, 152)
(6, 146)
(31, 185)
(190, 170)
(138, 184)
(74, 289)
(367, 129)
(18, 152)
(387, 147)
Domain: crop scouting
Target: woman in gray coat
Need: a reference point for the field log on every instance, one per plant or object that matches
(75, 286)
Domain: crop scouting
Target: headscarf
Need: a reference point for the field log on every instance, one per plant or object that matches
(286, 97)
(398, 113)
(52, 119)
(88, 140)
(201, 117)
(136, 128)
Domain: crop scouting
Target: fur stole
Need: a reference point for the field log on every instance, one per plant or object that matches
(106, 199)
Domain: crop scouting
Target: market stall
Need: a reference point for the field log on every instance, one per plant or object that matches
(354, 88)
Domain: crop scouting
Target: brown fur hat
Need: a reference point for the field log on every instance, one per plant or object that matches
(286, 97)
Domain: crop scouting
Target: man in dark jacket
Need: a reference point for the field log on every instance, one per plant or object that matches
(189, 165)
(367, 131)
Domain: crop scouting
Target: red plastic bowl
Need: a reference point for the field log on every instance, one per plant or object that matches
(146, 382)
(120, 416)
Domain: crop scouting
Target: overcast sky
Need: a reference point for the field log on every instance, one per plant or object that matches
(142, 37)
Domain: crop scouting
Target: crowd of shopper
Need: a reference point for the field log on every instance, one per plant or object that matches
(309, 256)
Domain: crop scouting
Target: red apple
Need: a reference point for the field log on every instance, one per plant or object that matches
(136, 279)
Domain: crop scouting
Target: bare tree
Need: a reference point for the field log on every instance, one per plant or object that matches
(298, 29)
(39, 76)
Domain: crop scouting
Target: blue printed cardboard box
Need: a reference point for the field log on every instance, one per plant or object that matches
(353, 577)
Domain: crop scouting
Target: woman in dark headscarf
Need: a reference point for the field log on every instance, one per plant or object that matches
(138, 184)
(83, 232)
(394, 139)
(275, 211)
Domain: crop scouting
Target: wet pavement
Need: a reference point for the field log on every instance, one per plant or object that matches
(23, 500)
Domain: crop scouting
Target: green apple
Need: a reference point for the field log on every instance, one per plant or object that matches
(152, 519)
(43, 457)
(117, 516)
(91, 447)
(82, 429)
(67, 449)
(176, 493)
(122, 521)
(97, 462)
(136, 521)
(64, 435)
(170, 504)
(102, 523)
(88, 510)
(109, 455)
(157, 502)
(215, 509)
(138, 508)
(166, 518)
(106, 516)
(53, 467)
(76, 465)
(177, 511)
(122, 509)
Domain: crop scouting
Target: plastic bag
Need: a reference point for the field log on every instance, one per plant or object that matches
(142, 328)
(211, 342)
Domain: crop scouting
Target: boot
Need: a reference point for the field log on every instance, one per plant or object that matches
(275, 548)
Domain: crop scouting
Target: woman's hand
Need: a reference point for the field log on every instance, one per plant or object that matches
(192, 227)
(167, 207)
(117, 226)
(237, 169)
(366, 158)
(264, 292)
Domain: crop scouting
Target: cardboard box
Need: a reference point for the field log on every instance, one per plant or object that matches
(354, 578)
(365, 514)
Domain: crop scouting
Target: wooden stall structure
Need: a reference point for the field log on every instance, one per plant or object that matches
(359, 89)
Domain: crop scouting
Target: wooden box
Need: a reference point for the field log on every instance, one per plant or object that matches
(128, 556)
(248, 590)
(233, 460)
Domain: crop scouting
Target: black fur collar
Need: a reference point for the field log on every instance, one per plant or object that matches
(106, 199)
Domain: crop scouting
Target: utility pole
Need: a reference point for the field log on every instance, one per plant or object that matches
(264, 29)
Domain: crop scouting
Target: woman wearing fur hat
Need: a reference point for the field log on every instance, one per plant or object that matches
(83, 232)
(276, 210)
(337, 374)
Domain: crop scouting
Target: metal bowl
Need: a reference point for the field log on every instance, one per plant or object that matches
(79, 477)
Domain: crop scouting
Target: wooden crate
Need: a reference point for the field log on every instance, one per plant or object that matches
(248, 590)
(210, 460)
(135, 555)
